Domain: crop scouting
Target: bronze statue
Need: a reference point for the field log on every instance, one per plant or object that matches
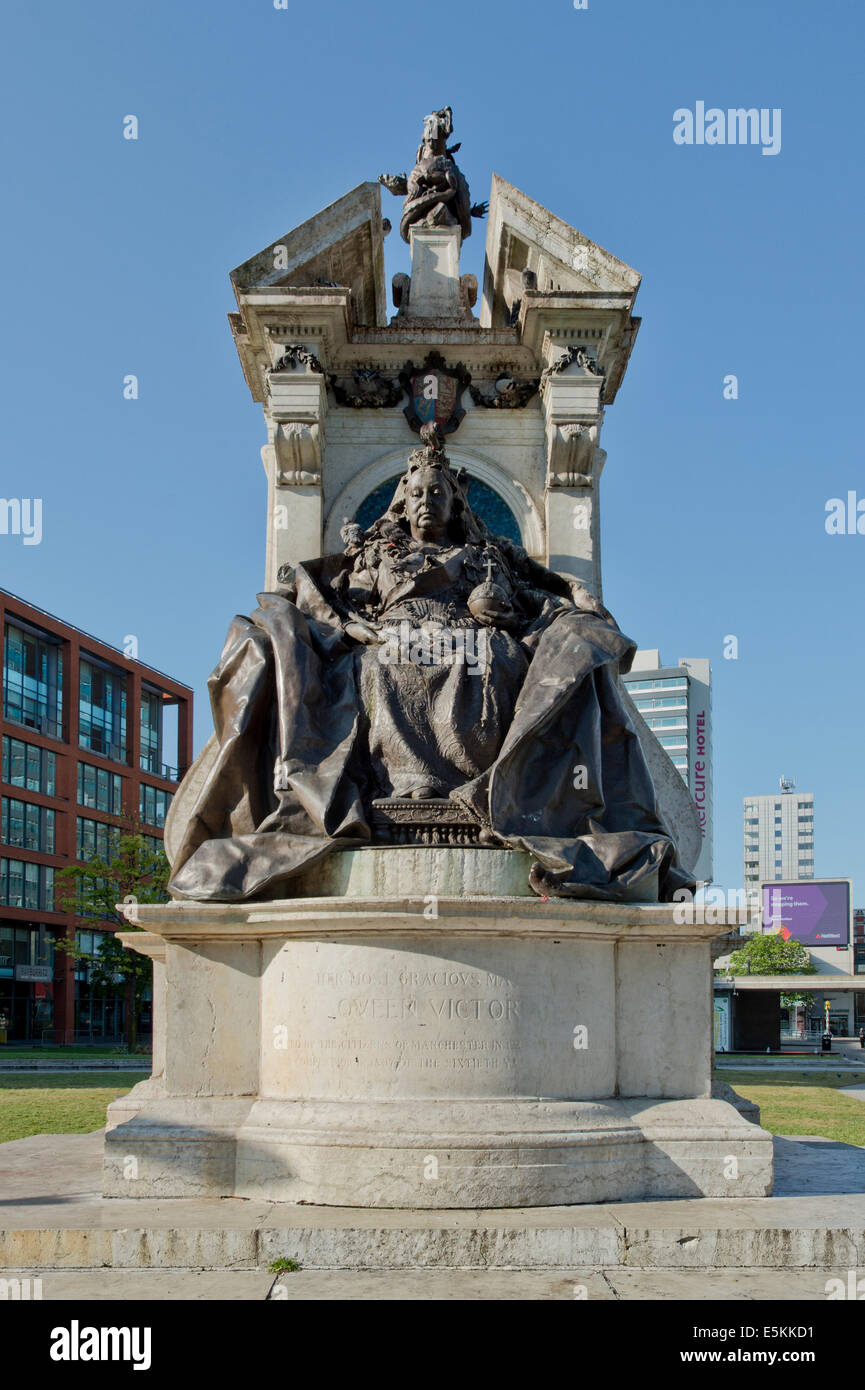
(436, 193)
(433, 665)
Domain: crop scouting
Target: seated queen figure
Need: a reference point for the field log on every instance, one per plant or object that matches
(430, 660)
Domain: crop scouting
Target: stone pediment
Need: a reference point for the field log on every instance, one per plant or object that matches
(545, 276)
(343, 245)
(522, 235)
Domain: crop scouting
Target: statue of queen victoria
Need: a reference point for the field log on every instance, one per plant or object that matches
(431, 664)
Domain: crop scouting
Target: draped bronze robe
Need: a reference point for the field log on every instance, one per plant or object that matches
(296, 769)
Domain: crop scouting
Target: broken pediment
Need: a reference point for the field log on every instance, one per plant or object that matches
(341, 245)
(539, 270)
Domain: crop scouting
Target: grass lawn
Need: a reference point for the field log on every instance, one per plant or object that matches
(804, 1102)
(791, 1102)
(57, 1103)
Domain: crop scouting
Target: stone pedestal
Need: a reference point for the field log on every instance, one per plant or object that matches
(435, 273)
(431, 1051)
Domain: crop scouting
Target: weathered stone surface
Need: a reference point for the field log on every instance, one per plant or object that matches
(386, 873)
(435, 275)
(342, 244)
(789, 1246)
(425, 1285)
(145, 1285)
(638, 1246)
(461, 1053)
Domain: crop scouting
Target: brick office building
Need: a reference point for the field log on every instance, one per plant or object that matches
(91, 740)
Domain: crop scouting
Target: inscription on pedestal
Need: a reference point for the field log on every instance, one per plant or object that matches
(425, 998)
(414, 1023)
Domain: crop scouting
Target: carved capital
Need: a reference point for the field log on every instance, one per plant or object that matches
(295, 356)
(570, 453)
(294, 453)
(575, 354)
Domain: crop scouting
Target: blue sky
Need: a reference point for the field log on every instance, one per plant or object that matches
(116, 257)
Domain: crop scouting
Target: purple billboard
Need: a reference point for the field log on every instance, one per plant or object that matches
(816, 912)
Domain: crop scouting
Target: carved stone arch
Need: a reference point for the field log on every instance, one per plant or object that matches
(512, 493)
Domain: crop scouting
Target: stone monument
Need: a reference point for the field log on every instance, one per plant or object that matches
(430, 942)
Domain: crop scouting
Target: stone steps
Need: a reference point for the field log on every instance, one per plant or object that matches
(54, 1219)
(338, 1239)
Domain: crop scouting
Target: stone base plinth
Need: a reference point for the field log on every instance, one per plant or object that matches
(430, 1052)
(435, 274)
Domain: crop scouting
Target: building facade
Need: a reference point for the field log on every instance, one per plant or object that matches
(778, 836)
(88, 748)
(676, 703)
(859, 962)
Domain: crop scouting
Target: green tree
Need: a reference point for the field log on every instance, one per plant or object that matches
(90, 892)
(768, 953)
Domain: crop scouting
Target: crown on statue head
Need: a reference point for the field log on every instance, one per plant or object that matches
(432, 455)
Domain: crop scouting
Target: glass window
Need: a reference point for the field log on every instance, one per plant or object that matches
(101, 790)
(7, 951)
(33, 680)
(102, 710)
(23, 945)
(25, 765)
(23, 884)
(153, 804)
(26, 825)
(94, 837)
(151, 731)
(665, 683)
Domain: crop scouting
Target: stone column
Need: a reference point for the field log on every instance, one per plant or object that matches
(573, 412)
(294, 411)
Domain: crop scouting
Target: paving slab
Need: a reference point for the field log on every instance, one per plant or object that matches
(571, 1285)
(803, 1063)
(447, 1286)
(127, 1285)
